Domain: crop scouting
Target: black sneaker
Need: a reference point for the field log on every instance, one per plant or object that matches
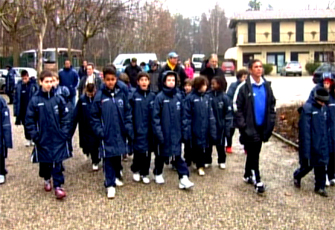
(297, 182)
(260, 187)
(321, 192)
(248, 180)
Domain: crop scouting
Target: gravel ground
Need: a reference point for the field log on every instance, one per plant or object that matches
(220, 200)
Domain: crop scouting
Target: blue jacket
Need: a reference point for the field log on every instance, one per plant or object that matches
(167, 121)
(331, 123)
(198, 120)
(10, 80)
(223, 113)
(32, 87)
(232, 89)
(69, 78)
(87, 140)
(111, 120)
(313, 135)
(142, 105)
(48, 122)
(6, 129)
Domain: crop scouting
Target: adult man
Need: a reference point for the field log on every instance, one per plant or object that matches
(172, 64)
(255, 117)
(211, 69)
(90, 75)
(154, 75)
(69, 77)
(83, 70)
(10, 83)
(132, 70)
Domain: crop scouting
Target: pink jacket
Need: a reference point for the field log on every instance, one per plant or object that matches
(189, 72)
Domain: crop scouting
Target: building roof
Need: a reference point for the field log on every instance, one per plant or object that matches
(280, 15)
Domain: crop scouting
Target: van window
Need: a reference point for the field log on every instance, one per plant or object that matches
(197, 59)
(126, 62)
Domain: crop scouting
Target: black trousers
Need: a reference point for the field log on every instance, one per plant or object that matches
(331, 167)
(10, 95)
(94, 154)
(112, 168)
(221, 154)
(179, 163)
(3, 170)
(319, 173)
(230, 139)
(141, 163)
(252, 163)
(189, 158)
(54, 170)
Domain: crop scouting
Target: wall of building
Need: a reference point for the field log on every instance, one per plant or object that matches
(261, 29)
(285, 28)
(309, 27)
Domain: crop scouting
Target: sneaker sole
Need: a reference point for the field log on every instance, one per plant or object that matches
(181, 186)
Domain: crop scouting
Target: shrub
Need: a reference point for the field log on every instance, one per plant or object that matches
(311, 67)
(267, 68)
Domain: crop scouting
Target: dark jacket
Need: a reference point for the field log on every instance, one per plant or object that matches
(132, 72)
(6, 130)
(223, 113)
(232, 89)
(245, 116)
(82, 72)
(87, 140)
(331, 123)
(10, 80)
(154, 76)
(82, 84)
(69, 78)
(63, 91)
(167, 121)
(198, 120)
(111, 120)
(313, 135)
(48, 122)
(178, 69)
(211, 73)
(142, 103)
(32, 88)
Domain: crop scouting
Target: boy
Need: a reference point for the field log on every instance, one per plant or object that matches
(60, 90)
(111, 122)
(241, 75)
(313, 141)
(188, 87)
(167, 128)
(48, 122)
(142, 104)
(23, 92)
(199, 122)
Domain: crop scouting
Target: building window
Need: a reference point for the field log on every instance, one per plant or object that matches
(294, 56)
(251, 32)
(275, 31)
(299, 31)
(247, 57)
(323, 30)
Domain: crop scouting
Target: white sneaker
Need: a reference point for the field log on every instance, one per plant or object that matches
(332, 182)
(118, 182)
(136, 177)
(32, 143)
(111, 192)
(185, 183)
(327, 181)
(27, 143)
(159, 179)
(222, 166)
(146, 179)
(2, 179)
(208, 165)
(95, 167)
(201, 172)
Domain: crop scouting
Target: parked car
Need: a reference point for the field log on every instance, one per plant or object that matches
(292, 67)
(32, 72)
(228, 67)
(324, 69)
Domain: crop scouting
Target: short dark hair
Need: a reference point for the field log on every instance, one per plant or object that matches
(124, 77)
(67, 60)
(188, 82)
(222, 84)
(111, 65)
(109, 70)
(142, 74)
(24, 73)
(252, 62)
(241, 72)
(44, 74)
(90, 88)
(198, 82)
(91, 64)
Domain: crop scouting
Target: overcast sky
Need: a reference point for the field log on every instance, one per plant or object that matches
(191, 8)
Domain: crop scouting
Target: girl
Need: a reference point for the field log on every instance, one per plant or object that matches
(189, 70)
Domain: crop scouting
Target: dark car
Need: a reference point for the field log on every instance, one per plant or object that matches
(324, 69)
(228, 67)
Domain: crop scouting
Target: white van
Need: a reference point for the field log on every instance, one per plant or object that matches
(123, 60)
(197, 60)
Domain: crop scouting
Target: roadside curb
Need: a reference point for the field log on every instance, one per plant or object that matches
(286, 141)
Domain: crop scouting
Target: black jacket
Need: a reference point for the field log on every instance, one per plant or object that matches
(245, 116)
(48, 122)
(154, 76)
(82, 72)
(178, 69)
(6, 130)
(211, 73)
(10, 80)
(142, 103)
(82, 84)
(132, 72)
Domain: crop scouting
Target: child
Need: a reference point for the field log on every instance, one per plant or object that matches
(199, 122)
(24, 90)
(142, 104)
(313, 141)
(87, 140)
(167, 128)
(6, 138)
(187, 145)
(222, 110)
(63, 91)
(241, 76)
(48, 122)
(111, 122)
(188, 70)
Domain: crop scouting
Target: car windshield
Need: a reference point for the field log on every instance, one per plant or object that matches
(197, 59)
(326, 67)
